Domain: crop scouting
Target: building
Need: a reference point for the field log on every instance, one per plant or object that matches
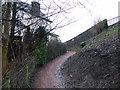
(53, 36)
(32, 16)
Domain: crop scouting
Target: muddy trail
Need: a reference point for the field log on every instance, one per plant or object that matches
(96, 66)
(48, 76)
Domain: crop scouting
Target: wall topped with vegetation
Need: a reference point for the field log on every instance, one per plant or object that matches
(93, 31)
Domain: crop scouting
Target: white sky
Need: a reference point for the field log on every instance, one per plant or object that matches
(105, 9)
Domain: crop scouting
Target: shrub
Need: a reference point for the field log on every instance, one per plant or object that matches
(82, 44)
(40, 53)
(100, 26)
(55, 48)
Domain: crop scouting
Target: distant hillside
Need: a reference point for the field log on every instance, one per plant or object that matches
(97, 64)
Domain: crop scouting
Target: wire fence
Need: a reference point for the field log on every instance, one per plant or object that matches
(20, 77)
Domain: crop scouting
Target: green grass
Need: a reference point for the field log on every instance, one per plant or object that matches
(104, 35)
(111, 31)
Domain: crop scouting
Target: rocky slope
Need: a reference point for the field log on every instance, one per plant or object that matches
(95, 66)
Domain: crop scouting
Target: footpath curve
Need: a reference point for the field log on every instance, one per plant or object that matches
(48, 76)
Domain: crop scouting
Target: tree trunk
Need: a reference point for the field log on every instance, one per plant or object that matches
(11, 49)
(0, 45)
(13, 20)
(5, 39)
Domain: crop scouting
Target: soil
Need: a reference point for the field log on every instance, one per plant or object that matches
(97, 66)
(49, 76)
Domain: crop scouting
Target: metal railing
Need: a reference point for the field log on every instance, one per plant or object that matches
(113, 20)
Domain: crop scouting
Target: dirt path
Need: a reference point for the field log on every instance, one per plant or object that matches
(48, 77)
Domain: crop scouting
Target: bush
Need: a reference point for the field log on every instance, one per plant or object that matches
(41, 53)
(99, 27)
(55, 48)
(82, 44)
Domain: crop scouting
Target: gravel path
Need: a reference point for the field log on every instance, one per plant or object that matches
(48, 76)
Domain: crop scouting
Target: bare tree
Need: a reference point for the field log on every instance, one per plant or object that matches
(6, 38)
(97, 20)
(50, 14)
(55, 10)
(0, 45)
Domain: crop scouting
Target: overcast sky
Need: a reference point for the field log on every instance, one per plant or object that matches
(105, 9)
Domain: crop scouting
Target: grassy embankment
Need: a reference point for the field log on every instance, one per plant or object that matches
(110, 32)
